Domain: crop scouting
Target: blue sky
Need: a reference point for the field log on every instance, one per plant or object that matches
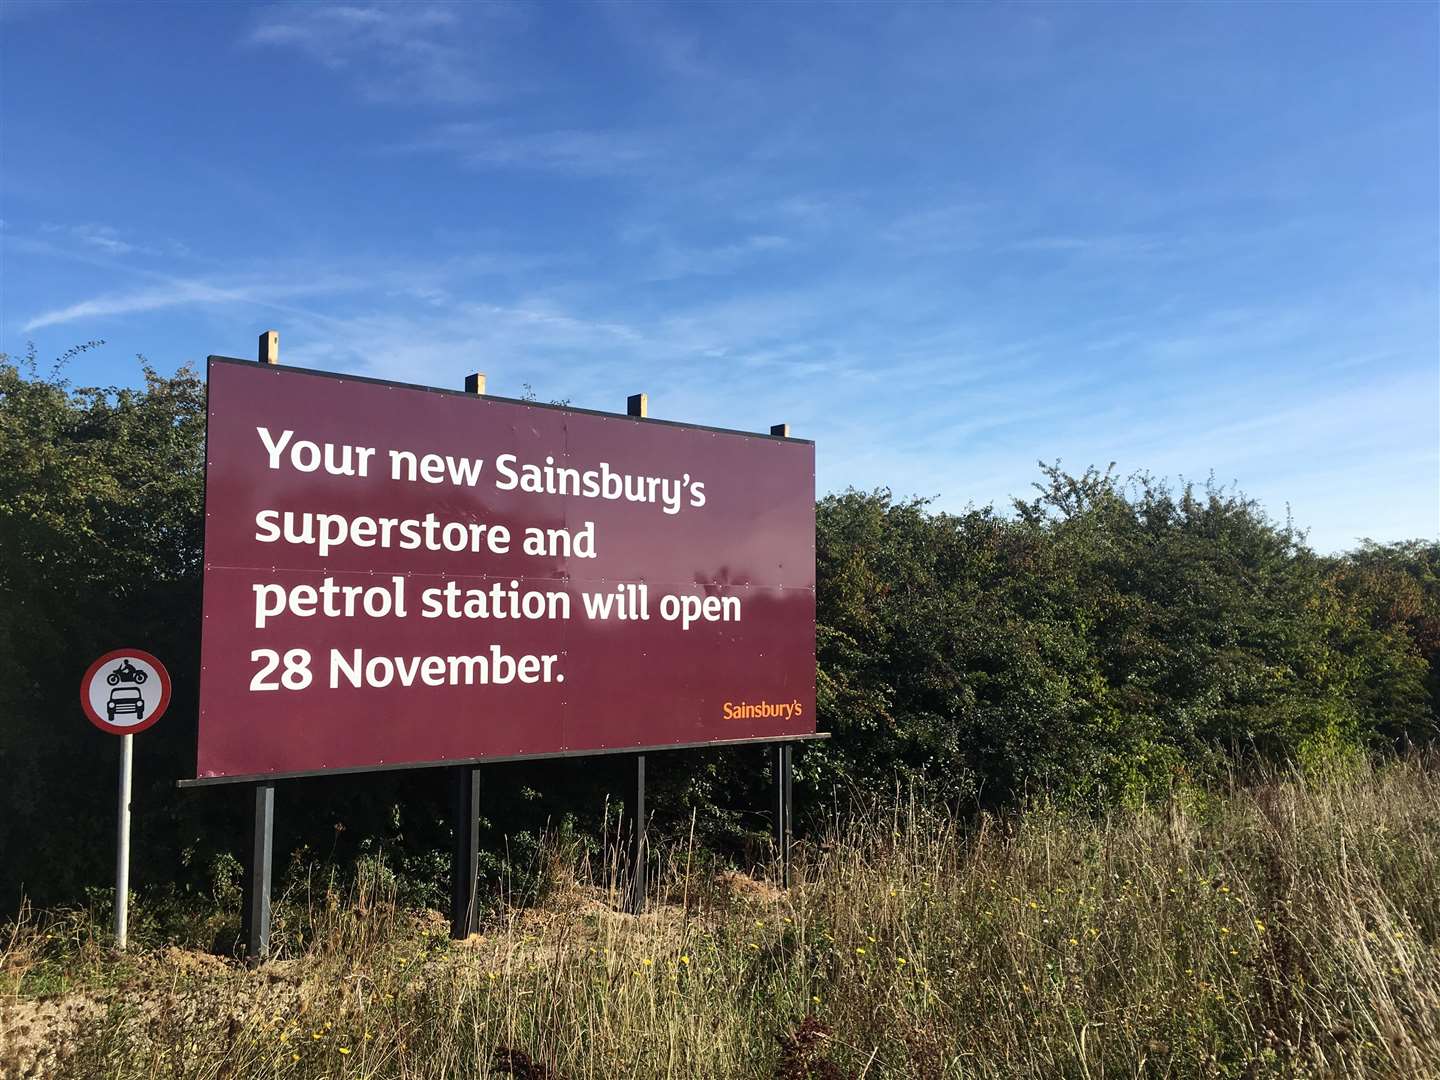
(943, 241)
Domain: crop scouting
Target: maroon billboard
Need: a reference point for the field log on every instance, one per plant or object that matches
(400, 576)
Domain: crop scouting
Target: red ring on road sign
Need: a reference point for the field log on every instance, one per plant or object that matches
(117, 729)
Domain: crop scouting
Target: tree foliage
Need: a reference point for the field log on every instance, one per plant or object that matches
(1104, 640)
(100, 541)
(1109, 638)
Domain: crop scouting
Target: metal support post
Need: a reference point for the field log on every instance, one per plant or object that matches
(255, 920)
(465, 812)
(639, 846)
(784, 823)
(465, 856)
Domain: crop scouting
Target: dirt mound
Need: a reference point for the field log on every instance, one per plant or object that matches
(35, 1035)
(191, 962)
(744, 887)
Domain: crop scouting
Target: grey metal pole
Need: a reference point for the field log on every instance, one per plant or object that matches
(639, 846)
(789, 808)
(465, 855)
(122, 845)
(255, 918)
(783, 816)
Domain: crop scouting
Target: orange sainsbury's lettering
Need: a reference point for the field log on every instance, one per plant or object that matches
(759, 710)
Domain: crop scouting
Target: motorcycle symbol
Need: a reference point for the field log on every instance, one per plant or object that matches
(126, 672)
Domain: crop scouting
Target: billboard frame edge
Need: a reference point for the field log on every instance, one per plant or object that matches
(393, 384)
(352, 770)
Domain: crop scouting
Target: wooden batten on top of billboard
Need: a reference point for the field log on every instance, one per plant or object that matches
(397, 576)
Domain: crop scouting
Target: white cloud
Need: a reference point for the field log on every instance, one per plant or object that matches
(176, 292)
(669, 262)
(102, 237)
(898, 389)
(394, 52)
(943, 229)
(586, 153)
(89, 238)
(127, 303)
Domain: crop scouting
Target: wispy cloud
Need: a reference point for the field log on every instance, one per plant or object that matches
(944, 228)
(668, 261)
(651, 34)
(101, 237)
(892, 398)
(394, 52)
(176, 292)
(128, 303)
(581, 152)
(1117, 246)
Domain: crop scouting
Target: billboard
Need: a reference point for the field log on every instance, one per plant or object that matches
(398, 576)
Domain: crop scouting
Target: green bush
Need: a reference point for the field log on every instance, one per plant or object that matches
(1103, 642)
(1108, 641)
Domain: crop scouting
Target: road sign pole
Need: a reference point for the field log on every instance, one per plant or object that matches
(123, 699)
(122, 845)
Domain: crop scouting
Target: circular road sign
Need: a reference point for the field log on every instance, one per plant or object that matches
(125, 691)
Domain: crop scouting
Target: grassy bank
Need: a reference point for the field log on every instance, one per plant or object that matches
(1285, 929)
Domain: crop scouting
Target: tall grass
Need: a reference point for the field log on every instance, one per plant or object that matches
(1290, 928)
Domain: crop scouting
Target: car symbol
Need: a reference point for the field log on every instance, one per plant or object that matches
(126, 699)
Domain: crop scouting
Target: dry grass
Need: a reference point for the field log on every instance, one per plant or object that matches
(1289, 929)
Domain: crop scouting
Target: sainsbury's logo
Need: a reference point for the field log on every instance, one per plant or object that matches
(760, 710)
